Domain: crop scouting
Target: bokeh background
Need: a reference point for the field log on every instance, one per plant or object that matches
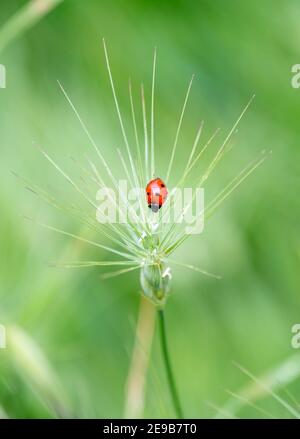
(70, 334)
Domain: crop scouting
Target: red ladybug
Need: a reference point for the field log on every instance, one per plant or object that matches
(156, 194)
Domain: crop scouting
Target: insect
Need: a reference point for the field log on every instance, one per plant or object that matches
(157, 193)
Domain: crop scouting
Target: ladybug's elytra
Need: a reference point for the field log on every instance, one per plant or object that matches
(156, 194)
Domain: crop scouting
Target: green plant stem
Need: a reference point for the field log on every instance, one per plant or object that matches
(166, 357)
(26, 17)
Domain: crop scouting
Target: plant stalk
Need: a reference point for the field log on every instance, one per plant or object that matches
(169, 371)
(136, 380)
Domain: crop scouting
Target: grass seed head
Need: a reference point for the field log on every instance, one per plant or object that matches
(146, 241)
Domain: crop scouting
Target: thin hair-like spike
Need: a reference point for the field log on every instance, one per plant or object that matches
(152, 117)
(86, 264)
(236, 181)
(193, 268)
(213, 163)
(86, 219)
(247, 401)
(170, 233)
(80, 238)
(93, 143)
(139, 164)
(83, 169)
(100, 183)
(124, 240)
(71, 181)
(114, 181)
(220, 410)
(269, 390)
(131, 227)
(91, 140)
(233, 185)
(146, 154)
(126, 270)
(178, 129)
(119, 114)
(119, 272)
(129, 179)
(201, 152)
(138, 148)
(224, 144)
(185, 174)
(208, 211)
(125, 167)
(67, 177)
(291, 396)
(199, 132)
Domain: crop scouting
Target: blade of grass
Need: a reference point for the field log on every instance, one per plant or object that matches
(25, 18)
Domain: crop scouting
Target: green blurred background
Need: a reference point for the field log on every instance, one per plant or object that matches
(70, 334)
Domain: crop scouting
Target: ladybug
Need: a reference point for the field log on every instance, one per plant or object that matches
(157, 193)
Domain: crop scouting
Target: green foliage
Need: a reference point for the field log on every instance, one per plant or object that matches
(71, 333)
